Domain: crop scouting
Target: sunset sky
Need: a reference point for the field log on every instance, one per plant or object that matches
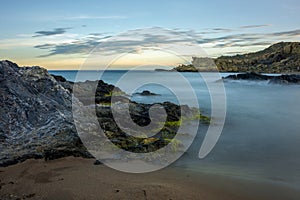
(61, 34)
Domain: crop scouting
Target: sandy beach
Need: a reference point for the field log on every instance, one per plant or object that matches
(78, 178)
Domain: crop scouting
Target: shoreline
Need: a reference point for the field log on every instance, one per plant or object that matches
(78, 178)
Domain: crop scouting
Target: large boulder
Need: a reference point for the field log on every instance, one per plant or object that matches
(35, 116)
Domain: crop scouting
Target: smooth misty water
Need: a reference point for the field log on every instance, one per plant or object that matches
(261, 136)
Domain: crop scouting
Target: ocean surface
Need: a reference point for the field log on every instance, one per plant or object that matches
(261, 136)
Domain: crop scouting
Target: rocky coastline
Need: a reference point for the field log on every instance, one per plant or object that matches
(37, 121)
(281, 58)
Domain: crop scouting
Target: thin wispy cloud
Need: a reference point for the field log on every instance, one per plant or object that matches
(242, 44)
(226, 30)
(222, 29)
(56, 31)
(287, 33)
(216, 30)
(255, 26)
(68, 48)
(82, 46)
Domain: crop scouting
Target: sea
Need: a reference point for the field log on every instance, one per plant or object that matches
(260, 139)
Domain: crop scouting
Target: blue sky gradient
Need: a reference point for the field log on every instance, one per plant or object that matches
(59, 34)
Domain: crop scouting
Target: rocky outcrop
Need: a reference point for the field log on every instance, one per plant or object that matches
(146, 93)
(248, 76)
(35, 116)
(186, 68)
(283, 57)
(282, 79)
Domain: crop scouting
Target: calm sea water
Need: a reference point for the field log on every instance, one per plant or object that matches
(261, 136)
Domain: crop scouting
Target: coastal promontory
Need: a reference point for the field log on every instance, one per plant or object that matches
(283, 57)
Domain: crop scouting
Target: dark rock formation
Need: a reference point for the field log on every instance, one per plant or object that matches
(283, 57)
(103, 92)
(282, 79)
(146, 93)
(248, 76)
(161, 70)
(186, 68)
(140, 115)
(35, 116)
(62, 81)
(286, 79)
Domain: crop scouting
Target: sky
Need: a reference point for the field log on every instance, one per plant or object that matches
(64, 34)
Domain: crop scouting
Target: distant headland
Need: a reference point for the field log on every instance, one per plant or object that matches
(283, 57)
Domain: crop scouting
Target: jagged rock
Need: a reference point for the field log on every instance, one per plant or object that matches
(103, 92)
(62, 81)
(35, 116)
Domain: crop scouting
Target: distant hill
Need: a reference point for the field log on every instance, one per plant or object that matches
(283, 57)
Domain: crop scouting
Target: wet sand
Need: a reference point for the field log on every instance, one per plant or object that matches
(78, 178)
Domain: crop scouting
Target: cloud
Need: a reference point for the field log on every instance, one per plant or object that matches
(226, 30)
(250, 39)
(242, 44)
(287, 33)
(68, 48)
(83, 46)
(222, 29)
(254, 26)
(157, 37)
(236, 38)
(216, 30)
(56, 31)
(130, 41)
